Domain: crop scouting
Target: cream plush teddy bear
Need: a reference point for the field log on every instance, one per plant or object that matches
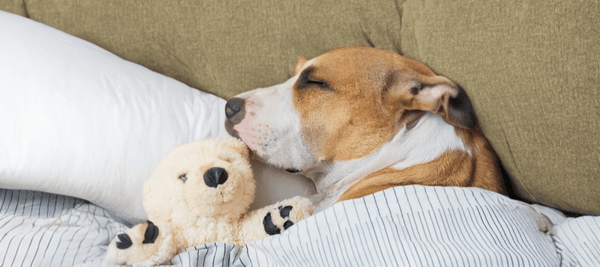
(200, 193)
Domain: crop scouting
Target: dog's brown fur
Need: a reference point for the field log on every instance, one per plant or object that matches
(351, 103)
(350, 122)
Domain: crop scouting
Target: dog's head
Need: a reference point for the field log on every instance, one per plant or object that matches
(342, 105)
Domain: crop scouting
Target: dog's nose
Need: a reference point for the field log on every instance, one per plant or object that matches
(213, 177)
(233, 107)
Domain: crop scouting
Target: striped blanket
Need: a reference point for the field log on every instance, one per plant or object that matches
(402, 226)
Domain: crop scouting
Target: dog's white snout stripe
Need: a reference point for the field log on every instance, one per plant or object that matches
(271, 126)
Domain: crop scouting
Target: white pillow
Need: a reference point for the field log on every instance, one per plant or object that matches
(77, 120)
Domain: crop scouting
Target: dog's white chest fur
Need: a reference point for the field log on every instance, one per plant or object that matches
(430, 138)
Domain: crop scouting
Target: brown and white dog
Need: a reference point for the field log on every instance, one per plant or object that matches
(358, 120)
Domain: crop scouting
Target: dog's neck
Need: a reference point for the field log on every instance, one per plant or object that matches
(429, 138)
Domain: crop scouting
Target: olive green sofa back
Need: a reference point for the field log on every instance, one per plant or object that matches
(531, 68)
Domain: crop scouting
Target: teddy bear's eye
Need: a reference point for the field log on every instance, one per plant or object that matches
(183, 177)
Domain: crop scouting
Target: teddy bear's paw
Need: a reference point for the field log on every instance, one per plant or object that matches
(287, 213)
(143, 244)
(303, 208)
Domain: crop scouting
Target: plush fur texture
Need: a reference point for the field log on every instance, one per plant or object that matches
(200, 193)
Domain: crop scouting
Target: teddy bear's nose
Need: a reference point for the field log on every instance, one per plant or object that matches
(213, 177)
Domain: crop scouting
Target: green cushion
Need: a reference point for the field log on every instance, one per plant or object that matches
(532, 70)
(531, 67)
(13, 6)
(223, 47)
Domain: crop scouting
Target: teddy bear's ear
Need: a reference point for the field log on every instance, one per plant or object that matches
(239, 146)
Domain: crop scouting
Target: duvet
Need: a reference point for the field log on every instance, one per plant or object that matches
(402, 226)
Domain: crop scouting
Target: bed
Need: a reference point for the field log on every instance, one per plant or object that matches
(401, 226)
(82, 129)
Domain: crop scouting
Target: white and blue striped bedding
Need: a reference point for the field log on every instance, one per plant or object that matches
(402, 226)
(41, 229)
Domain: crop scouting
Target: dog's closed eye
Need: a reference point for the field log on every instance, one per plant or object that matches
(307, 80)
(315, 82)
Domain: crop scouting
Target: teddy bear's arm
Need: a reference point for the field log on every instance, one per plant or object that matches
(274, 219)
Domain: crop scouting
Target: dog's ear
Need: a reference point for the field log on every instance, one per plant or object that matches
(460, 110)
(435, 94)
(299, 65)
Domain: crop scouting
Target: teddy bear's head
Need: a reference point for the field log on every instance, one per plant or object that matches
(207, 178)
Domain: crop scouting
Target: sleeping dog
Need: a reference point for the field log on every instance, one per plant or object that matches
(358, 120)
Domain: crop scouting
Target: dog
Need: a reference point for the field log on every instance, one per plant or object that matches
(358, 120)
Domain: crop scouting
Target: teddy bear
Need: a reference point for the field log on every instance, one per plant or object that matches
(200, 193)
